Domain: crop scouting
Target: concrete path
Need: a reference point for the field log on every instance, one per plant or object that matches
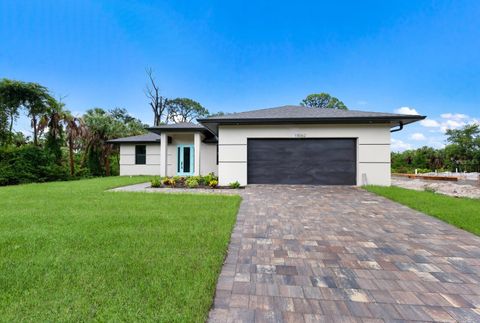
(310, 254)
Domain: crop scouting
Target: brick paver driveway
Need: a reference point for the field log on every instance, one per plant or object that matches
(342, 254)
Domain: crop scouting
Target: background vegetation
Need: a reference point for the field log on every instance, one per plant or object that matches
(64, 146)
(462, 153)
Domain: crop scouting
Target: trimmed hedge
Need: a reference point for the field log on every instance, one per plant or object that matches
(29, 164)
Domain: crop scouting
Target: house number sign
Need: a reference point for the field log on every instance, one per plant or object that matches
(300, 135)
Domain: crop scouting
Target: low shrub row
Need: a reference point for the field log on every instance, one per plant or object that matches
(209, 180)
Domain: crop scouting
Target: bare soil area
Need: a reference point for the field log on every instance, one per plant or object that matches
(463, 188)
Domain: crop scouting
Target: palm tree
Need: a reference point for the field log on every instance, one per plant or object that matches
(55, 120)
(52, 120)
(31, 96)
(75, 130)
(37, 101)
(102, 126)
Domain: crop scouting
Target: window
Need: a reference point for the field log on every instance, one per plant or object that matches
(140, 154)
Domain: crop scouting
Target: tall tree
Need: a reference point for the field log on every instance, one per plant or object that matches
(185, 110)
(12, 97)
(34, 97)
(323, 100)
(38, 101)
(133, 125)
(75, 128)
(102, 126)
(53, 120)
(158, 103)
(464, 147)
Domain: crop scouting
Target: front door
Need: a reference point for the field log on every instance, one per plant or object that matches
(185, 155)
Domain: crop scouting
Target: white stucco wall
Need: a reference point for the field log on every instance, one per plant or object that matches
(208, 157)
(208, 154)
(127, 160)
(373, 148)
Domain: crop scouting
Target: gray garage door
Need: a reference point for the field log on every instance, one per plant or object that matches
(302, 161)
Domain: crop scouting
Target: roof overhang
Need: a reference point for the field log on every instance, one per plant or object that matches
(132, 141)
(159, 130)
(213, 123)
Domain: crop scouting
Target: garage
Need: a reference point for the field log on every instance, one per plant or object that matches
(309, 161)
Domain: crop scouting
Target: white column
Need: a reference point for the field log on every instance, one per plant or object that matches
(197, 141)
(163, 154)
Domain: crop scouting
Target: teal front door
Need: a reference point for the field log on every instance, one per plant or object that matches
(185, 162)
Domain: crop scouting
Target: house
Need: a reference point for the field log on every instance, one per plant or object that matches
(282, 145)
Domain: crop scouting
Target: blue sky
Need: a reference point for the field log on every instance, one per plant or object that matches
(242, 55)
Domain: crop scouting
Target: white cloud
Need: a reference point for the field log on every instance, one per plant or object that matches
(449, 121)
(454, 116)
(430, 123)
(452, 124)
(399, 145)
(407, 110)
(418, 136)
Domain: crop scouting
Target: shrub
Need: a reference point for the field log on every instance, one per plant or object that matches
(191, 182)
(166, 181)
(210, 177)
(235, 184)
(29, 164)
(213, 183)
(156, 182)
(199, 179)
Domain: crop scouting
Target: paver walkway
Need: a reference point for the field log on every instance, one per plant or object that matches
(310, 254)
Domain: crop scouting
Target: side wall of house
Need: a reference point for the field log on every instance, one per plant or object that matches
(208, 157)
(127, 160)
(373, 148)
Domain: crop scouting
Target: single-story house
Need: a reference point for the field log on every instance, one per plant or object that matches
(282, 145)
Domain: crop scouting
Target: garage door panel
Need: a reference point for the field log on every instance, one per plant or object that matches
(302, 161)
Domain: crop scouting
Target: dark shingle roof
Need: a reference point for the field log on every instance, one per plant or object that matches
(146, 138)
(294, 112)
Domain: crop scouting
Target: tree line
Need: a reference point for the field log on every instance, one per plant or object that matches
(64, 146)
(462, 153)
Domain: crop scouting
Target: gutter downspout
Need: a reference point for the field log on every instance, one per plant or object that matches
(400, 127)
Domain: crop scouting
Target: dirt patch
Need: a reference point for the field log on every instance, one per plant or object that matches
(460, 189)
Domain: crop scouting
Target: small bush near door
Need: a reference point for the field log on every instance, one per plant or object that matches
(213, 183)
(192, 182)
(234, 185)
(156, 182)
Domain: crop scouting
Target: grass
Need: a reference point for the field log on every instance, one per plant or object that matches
(69, 251)
(463, 213)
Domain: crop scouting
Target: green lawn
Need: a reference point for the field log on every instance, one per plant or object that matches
(69, 251)
(461, 212)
